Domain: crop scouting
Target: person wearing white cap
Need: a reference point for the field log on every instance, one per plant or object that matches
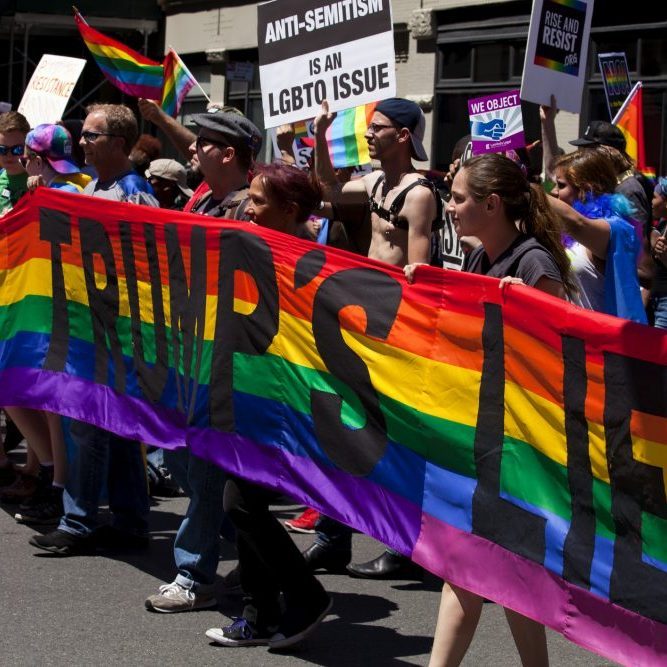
(168, 179)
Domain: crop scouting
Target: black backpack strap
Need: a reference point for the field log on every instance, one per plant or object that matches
(398, 202)
(391, 214)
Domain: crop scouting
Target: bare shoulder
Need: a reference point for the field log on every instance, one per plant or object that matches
(421, 197)
(369, 180)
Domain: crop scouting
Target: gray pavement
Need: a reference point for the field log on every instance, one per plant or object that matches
(89, 610)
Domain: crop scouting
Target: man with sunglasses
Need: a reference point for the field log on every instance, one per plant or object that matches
(104, 458)
(225, 149)
(108, 134)
(13, 180)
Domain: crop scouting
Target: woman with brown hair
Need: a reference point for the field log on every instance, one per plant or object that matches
(520, 235)
(602, 244)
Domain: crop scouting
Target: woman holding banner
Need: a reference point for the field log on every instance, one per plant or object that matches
(520, 235)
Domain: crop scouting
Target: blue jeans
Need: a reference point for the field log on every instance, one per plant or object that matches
(660, 311)
(197, 544)
(104, 458)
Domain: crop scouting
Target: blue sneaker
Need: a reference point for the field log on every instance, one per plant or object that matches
(240, 633)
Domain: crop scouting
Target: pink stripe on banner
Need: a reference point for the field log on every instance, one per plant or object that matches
(532, 590)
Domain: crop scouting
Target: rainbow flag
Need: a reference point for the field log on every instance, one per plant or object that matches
(345, 136)
(513, 444)
(630, 121)
(126, 69)
(178, 81)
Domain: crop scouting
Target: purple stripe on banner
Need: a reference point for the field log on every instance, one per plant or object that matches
(336, 493)
(530, 589)
(86, 401)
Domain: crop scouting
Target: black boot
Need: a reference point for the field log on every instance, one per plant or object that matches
(388, 565)
(320, 557)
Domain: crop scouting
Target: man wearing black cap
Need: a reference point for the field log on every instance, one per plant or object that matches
(225, 149)
(403, 204)
(404, 211)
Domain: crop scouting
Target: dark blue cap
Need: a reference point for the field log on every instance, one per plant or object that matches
(404, 113)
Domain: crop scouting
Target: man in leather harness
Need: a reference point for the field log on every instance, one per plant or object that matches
(405, 210)
(404, 206)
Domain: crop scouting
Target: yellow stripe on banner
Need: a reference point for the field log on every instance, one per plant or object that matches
(34, 278)
(533, 419)
(433, 388)
(597, 450)
(652, 453)
(31, 277)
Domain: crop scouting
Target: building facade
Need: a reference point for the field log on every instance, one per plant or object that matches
(447, 51)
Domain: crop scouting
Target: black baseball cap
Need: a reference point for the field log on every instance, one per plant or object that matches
(405, 113)
(601, 133)
(237, 129)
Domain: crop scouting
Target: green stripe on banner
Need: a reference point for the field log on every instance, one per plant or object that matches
(442, 442)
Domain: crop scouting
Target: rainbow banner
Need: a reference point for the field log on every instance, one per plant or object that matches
(126, 69)
(345, 136)
(178, 82)
(514, 445)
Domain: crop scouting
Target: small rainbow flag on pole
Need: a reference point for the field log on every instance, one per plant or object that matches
(345, 136)
(630, 121)
(126, 69)
(178, 81)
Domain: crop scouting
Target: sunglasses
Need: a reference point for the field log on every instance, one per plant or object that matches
(92, 137)
(374, 128)
(14, 150)
(204, 141)
(30, 155)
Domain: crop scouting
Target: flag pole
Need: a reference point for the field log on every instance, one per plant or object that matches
(185, 67)
(628, 99)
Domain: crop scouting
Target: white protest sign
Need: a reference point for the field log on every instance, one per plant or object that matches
(342, 51)
(556, 54)
(50, 88)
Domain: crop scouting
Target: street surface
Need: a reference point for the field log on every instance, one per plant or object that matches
(89, 610)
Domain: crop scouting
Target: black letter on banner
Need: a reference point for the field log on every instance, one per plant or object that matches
(493, 517)
(234, 332)
(151, 379)
(54, 227)
(188, 311)
(103, 303)
(580, 540)
(631, 384)
(355, 451)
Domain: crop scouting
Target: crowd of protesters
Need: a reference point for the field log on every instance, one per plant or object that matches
(591, 230)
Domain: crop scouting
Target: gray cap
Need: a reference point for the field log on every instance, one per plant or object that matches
(170, 170)
(234, 127)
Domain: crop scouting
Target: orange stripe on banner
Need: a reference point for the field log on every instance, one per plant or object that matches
(534, 365)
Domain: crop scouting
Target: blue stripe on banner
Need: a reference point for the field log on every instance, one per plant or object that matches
(448, 496)
(399, 469)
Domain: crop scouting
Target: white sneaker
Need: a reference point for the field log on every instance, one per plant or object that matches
(174, 598)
